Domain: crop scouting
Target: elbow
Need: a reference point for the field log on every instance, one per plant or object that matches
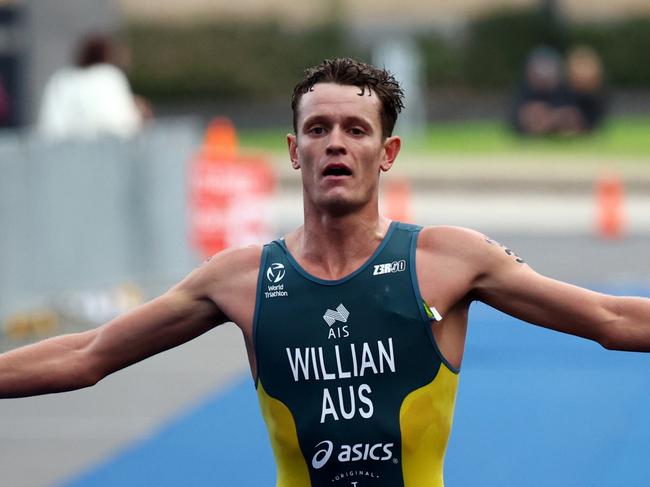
(609, 337)
(616, 337)
(612, 332)
(90, 378)
(88, 369)
(609, 343)
(81, 375)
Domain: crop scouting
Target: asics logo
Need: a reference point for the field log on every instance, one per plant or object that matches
(379, 452)
(341, 314)
(323, 455)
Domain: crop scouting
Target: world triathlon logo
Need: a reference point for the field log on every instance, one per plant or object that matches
(275, 272)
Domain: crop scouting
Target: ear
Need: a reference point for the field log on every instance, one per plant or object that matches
(392, 146)
(292, 143)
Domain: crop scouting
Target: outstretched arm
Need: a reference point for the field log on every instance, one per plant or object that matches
(80, 360)
(508, 284)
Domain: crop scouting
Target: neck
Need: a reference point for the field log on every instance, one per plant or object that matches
(332, 246)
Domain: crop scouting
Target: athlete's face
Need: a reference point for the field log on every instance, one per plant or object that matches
(339, 147)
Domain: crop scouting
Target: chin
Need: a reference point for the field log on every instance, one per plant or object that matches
(340, 206)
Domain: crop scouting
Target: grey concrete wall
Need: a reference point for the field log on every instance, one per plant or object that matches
(79, 215)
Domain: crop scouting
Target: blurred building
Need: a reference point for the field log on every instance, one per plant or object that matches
(48, 30)
(364, 12)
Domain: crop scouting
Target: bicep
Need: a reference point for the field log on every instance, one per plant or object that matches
(518, 290)
(163, 323)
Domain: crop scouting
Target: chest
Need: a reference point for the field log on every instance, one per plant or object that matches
(363, 329)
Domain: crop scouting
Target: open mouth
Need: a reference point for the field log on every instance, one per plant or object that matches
(337, 170)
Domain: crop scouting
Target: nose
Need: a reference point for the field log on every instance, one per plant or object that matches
(336, 143)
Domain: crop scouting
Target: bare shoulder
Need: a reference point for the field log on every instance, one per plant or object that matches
(450, 241)
(231, 270)
(448, 238)
(455, 263)
(464, 247)
(241, 259)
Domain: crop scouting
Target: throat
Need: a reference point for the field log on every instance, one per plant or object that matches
(333, 253)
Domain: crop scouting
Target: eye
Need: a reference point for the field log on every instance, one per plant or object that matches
(357, 131)
(316, 130)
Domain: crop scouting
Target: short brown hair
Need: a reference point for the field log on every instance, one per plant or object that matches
(347, 71)
(94, 49)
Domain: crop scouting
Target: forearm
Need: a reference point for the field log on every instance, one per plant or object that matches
(52, 365)
(80, 360)
(630, 329)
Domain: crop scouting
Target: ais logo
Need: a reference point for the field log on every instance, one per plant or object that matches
(341, 315)
(379, 452)
(275, 272)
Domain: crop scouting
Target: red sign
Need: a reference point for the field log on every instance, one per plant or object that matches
(230, 199)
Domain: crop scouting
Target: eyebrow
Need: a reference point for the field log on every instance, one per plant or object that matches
(349, 120)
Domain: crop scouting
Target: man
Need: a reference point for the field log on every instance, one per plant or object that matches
(93, 98)
(354, 325)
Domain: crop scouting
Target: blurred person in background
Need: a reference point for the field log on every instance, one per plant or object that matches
(93, 97)
(585, 78)
(544, 104)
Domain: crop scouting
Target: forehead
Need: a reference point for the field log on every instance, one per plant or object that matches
(335, 100)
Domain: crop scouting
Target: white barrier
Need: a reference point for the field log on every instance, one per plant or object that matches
(78, 215)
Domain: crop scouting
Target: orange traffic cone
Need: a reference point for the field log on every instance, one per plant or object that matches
(398, 200)
(610, 206)
(221, 139)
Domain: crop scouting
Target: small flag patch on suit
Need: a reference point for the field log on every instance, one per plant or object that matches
(432, 312)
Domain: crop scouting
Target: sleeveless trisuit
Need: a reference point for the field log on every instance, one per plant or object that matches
(350, 381)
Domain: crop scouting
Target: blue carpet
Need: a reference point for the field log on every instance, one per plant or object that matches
(535, 408)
